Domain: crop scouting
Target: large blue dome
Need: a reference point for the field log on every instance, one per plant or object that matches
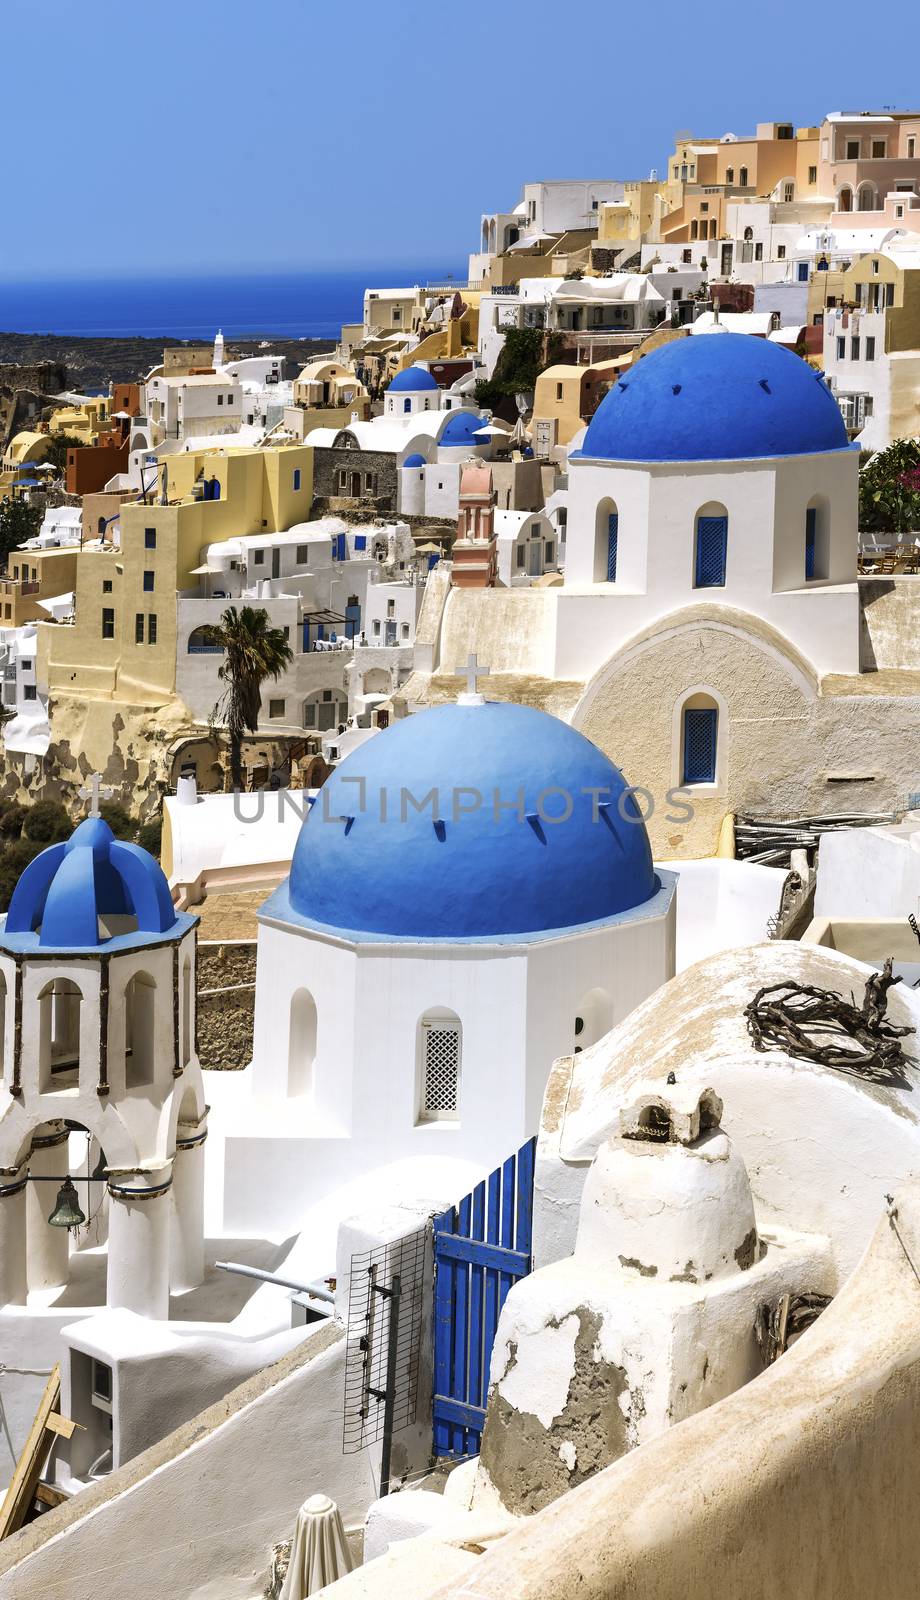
(437, 865)
(412, 380)
(460, 429)
(719, 397)
(64, 892)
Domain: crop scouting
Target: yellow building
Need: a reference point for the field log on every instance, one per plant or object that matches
(33, 576)
(122, 645)
(83, 417)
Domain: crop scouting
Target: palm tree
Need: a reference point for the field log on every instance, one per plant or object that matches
(253, 651)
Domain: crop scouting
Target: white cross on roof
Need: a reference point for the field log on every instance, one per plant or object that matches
(95, 790)
(471, 696)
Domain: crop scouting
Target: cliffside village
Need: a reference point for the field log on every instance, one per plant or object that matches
(459, 1129)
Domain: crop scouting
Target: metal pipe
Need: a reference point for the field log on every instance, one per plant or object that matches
(316, 1289)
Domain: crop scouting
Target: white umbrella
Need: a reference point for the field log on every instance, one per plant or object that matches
(491, 427)
(319, 1552)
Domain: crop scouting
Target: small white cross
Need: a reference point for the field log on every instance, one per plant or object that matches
(471, 672)
(93, 793)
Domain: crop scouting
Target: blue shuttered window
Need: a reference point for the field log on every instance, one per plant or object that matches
(711, 551)
(613, 528)
(701, 732)
(811, 535)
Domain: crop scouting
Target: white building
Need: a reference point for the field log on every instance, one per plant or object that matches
(450, 908)
(29, 731)
(192, 405)
(625, 303)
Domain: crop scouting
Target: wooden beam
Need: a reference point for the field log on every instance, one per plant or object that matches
(25, 1486)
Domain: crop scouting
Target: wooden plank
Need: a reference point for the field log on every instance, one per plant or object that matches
(48, 1494)
(475, 1364)
(443, 1326)
(461, 1412)
(62, 1425)
(452, 1248)
(458, 1387)
(21, 1492)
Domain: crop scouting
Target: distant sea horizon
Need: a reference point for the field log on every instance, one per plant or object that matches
(306, 305)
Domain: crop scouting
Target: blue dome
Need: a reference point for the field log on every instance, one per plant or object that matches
(69, 886)
(411, 381)
(415, 460)
(719, 397)
(378, 854)
(460, 429)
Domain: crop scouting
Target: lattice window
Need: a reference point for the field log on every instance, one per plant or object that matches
(440, 1098)
(711, 551)
(811, 539)
(701, 732)
(613, 530)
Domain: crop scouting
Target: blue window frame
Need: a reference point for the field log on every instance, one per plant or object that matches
(701, 733)
(148, 583)
(407, 406)
(150, 538)
(613, 530)
(339, 547)
(711, 551)
(296, 478)
(802, 269)
(811, 536)
(360, 541)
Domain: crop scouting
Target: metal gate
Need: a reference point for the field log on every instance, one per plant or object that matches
(481, 1247)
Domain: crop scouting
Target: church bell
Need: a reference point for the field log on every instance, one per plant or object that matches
(66, 1213)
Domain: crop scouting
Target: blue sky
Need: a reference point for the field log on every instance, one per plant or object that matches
(216, 136)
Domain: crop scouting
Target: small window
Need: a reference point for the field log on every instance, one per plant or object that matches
(439, 1100)
(711, 551)
(870, 349)
(802, 271)
(296, 479)
(701, 733)
(729, 174)
(780, 252)
(29, 691)
(405, 630)
(108, 623)
(407, 405)
(303, 554)
(376, 626)
(812, 174)
(107, 586)
(878, 149)
(229, 399)
(875, 269)
(258, 558)
(276, 708)
(743, 177)
(559, 390)
(613, 538)
(841, 349)
(150, 538)
(151, 628)
(911, 147)
(519, 557)
(811, 540)
(148, 582)
(220, 399)
(139, 628)
(852, 149)
(758, 252)
(854, 349)
(889, 294)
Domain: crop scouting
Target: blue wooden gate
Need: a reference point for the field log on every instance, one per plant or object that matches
(481, 1247)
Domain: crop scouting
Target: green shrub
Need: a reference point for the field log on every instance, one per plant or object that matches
(121, 822)
(46, 822)
(150, 836)
(12, 820)
(13, 862)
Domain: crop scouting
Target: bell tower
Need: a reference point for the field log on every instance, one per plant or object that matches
(475, 560)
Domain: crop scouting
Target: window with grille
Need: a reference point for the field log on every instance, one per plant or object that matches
(613, 533)
(440, 1069)
(711, 551)
(701, 732)
(811, 540)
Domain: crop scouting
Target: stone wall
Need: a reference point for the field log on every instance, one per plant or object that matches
(326, 466)
(225, 1018)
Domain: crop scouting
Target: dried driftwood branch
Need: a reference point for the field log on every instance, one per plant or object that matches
(821, 1026)
(780, 1321)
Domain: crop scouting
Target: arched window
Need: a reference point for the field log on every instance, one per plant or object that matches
(606, 540)
(325, 709)
(711, 552)
(816, 540)
(694, 229)
(699, 740)
(845, 198)
(748, 233)
(743, 177)
(140, 1031)
(301, 1043)
(59, 1036)
(201, 644)
(593, 1019)
(867, 197)
(438, 1053)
